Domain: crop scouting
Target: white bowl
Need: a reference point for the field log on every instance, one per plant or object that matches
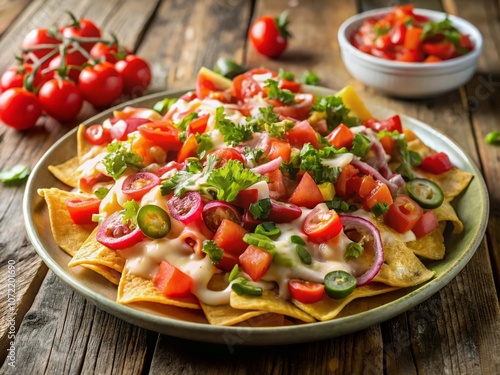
(404, 79)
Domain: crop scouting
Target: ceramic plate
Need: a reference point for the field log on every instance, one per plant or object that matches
(192, 325)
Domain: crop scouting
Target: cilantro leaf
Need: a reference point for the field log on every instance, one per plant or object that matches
(120, 157)
(232, 178)
(205, 144)
(311, 160)
(360, 145)
(310, 78)
(186, 120)
(130, 209)
(274, 92)
(289, 76)
(335, 110)
(164, 105)
(253, 154)
(381, 30)
(267, 115)
(232, 134)
(213, 251)
(445, 28)
(261, 208)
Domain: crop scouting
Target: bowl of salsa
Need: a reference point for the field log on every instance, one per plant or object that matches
(409, 52)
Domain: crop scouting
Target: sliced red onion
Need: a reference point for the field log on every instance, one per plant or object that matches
(368, 169)
(398, 180)
(386, 171)
(269, 166)
(355, 222)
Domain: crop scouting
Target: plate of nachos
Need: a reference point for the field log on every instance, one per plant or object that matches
(255, 211)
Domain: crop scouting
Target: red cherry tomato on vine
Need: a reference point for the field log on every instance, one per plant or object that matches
(37, 37)
(61, 99)
(83, 28)
(100, 84)
(103, 52)
(136, 75)
(73, 61)
(19, 108)
(14, 77)
(269, 35)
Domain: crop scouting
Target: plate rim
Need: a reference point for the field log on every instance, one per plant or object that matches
(257, 335)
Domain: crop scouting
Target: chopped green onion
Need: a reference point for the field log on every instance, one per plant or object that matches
(303, 254)
(243, 288)
(354, 250)
(297, 240)
(380, 208)
(234, 273)
(259, 240)
(101, 192)
(267, 228)
(261, 208)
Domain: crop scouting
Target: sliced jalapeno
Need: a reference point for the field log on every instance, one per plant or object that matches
(425, 192)
(153, 221)
(339, 284)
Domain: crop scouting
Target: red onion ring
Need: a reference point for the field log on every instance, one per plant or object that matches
(269, 166)
(355, 222)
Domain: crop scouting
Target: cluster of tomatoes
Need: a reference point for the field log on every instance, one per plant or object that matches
(60, 68)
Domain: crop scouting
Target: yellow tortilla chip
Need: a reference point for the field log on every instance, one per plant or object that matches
(225, 315)
(68, 235)
(92, 252)
(329, 308)
(452, 182)
(446, 212)
(269, 302)
(66, 172)
(133, 288)
(430, 246)
(106, 272)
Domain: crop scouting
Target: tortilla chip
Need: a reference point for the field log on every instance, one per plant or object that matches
(446, 212)
(106, 272)
(329, 308)
(452, 182)
(416, 145)
(269, 302)
(225, 315)
(68, 235)
(66, 172)
(133, 288)
(430, 246)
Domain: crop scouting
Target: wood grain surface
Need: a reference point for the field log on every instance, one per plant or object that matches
(456, 331)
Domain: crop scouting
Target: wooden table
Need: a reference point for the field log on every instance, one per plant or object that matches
(456, 331)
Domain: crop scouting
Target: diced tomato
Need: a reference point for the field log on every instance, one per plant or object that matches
(293, 86)
(361, 185)
(403, 214)
(322, 224)
(227, 262)
(301, 134)
(255, 261)
(122, 127)
(306, 291)
(87, 183)
(229, 237)
(168, 167)
(436, 163)
(162, 133)
(277, 148)
(341, 184)
(397, 34)
(465, 42)
(380, 193)
(432, 59)
(198, 125)
(388, 144)
(188, 149)
(444, 50)
(426, 224)
(390, 124)
(383, 42)
(246, 197)
(245, 86)
(413, 38)
(227, 153)
(411, 56)
(341, 136)
(277, 186)
(171, 281)
(81, 210)
(307, 193)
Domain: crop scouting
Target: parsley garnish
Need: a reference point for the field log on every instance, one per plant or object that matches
(129, 212)
(232, 134)
(312, 161)
(253, 154)
(261, 208)
(186, 120)
(120, 157)
(310, 78)
(274, 92)
(336, 112)
(338, 204)
(205, 144)
(213, 251)
(360, 145)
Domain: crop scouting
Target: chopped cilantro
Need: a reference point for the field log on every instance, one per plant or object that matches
(231, 178)
(336, 111)
(232, 134)
(380, 208)
(129, 212)
(381, 30)
(253, 154)
(193, 165)
(120, 157)
(289, 76)
(445, 28)
(261, 208)
(213, 251)
(267, 115)
(274, 92)
(354, 250)
(310, 78)
(312, 161)
(338, 204)
(185, 121)
(267, 228)
(360, 145)
(164, 105)
(205, 144)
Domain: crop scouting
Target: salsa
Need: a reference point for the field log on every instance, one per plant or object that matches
(405, 36)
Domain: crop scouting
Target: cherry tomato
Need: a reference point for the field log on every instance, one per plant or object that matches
(83, 28)
(136, 75)
(403, 214)
(97, 135)
(322, 224)
(164, 134)
(269, 35)
(245, 86)
(122, 127)
(15, 76)
(436, 163)
(116, 235)
(186, 209)
(138, 184)
(282, 212)
(81, 210)
(306, 291)
(104, 52)
(100, 84)
(215, 212)
(72, 62)
(19, 108)
(37, 37)
(61, 99)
